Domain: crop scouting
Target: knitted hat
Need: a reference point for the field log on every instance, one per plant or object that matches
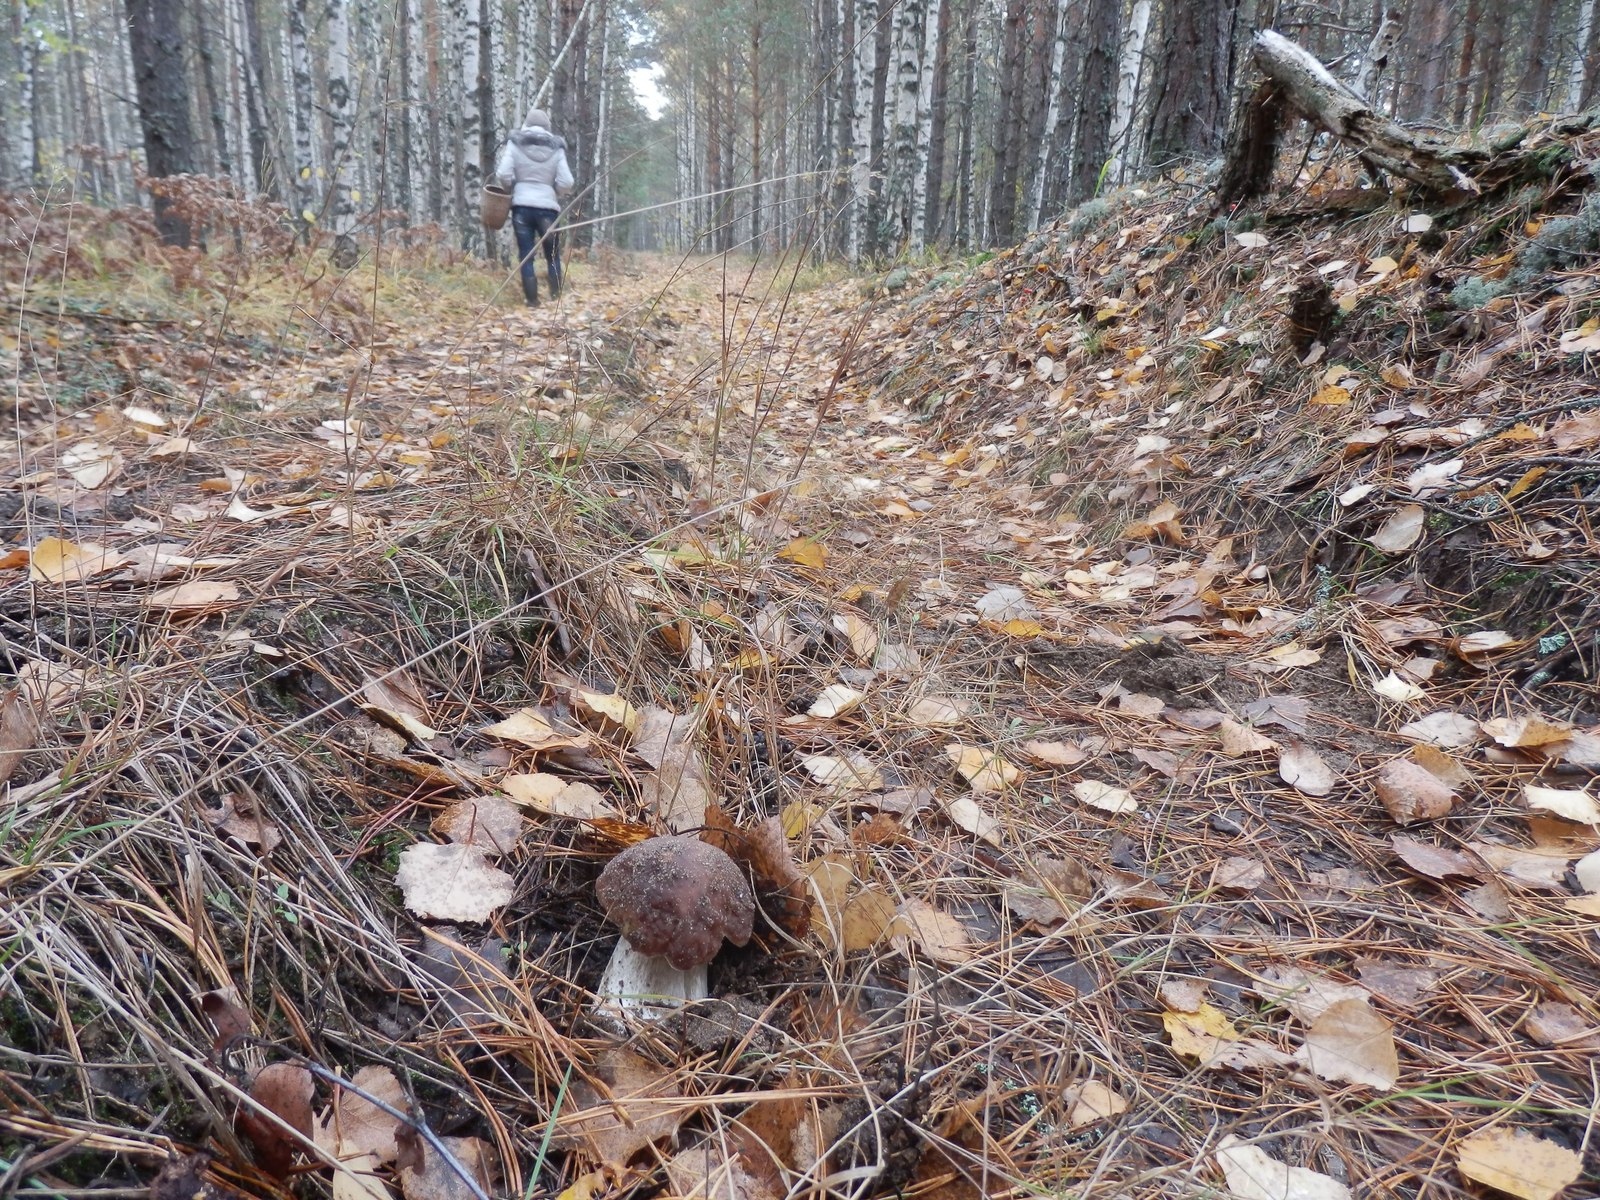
(537, 116)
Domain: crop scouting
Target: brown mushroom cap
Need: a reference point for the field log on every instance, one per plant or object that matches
(677, 897)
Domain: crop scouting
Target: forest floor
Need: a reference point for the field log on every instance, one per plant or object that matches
(1105, 845)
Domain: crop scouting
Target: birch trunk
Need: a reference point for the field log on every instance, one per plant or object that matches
(339, 205)
(905, 71)
(1052, 114)
(866, 51)
(471, 108)
(1582, 63)
(305, 154)
(919, 166)
(1123, 151)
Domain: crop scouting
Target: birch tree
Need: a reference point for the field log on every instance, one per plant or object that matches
(861, 114)
(339, 203)
(905, 69)
(1052, 116)
(1123, 151)
(305, 154)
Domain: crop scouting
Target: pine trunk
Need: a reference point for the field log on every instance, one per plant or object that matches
(1193, 78)
(1007, 130)
(155, 34)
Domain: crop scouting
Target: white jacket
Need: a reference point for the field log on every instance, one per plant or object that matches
(535, 161)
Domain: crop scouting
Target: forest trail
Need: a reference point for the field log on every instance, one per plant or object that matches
(1090, 860)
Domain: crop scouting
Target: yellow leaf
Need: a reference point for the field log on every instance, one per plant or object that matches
(808, 552)
(55, 560)
(1518, 1163)
(608, 714)
(798, 816)
(1529, 477)
(1332, 395)
(1018, 627)
(984, 770)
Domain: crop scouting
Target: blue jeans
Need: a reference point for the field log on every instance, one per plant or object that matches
(533, 229)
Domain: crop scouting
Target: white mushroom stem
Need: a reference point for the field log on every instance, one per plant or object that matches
(646, 987)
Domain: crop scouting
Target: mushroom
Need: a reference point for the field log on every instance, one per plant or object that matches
(675, 900)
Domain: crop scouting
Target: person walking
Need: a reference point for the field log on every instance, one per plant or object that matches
(533, 168)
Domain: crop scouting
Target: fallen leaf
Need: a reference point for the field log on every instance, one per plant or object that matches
(1253, 1174)
(1049, 891)
(1206, 1034)
(1350, 1043)
(1238, 874)
(1104, 796)
(807, 552)
(285, 1090)
(490, 823)
(198, 595)
(451, 883)
(1239, 739)
(965, 813)
(680, 790)
(936, 711)
(853, 772)
(1303, 769)
(712, 1170)
(1451, 730)
(531, 729)
(1412, 793)
(19, 731)
(943, 938)
(1306, 996)
(1400, 529)
(438, 1180)
(641, 1103)
(836, 700)
(1570, 804)
(1518, 1163)
(607, 714)
(861, 634)
(865, 919)
(352, 1126)
(1488, 641)
(1054, 754)
(1004, 604)
(1554, 1024)
(1401, 691)
(55, 560)
(984, 770)
(1090, 1102)
(1522, 733)
(1433, 861)
(238, 816)
(1537, 869)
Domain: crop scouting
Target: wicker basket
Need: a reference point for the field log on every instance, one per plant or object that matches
(496, 205)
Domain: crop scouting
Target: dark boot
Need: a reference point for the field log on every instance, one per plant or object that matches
(555, 283)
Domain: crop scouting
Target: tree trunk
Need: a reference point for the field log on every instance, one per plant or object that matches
(1052, 114)
(1092, 141)
(1008, 127)
(1193, 81)
(938, 116)
(756, 153)
(1536, 69)
(214, 100)
(305, 153)
(1124, 151)
(861, 114)
(906, 77)
(1469, 38)
(966, 203)
(1583, 64)
(155, 34)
